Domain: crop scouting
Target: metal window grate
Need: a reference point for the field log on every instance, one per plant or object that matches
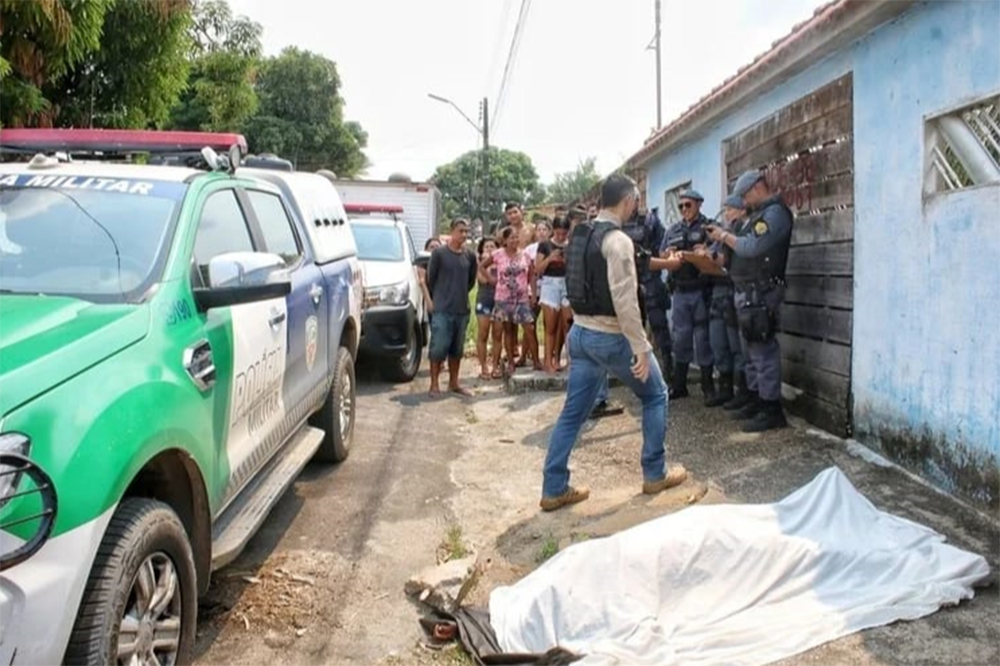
(964, 147)
(984, 121)
(671, 201)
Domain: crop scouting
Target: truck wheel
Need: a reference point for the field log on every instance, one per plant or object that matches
(140, 603)
(405, 367)
(337, 416)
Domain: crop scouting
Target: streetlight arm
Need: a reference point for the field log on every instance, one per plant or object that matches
(438, 98)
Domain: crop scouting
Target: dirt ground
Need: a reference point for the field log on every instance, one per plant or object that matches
(323, 583)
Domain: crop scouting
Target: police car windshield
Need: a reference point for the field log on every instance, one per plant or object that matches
(98, 245)
(377, 242)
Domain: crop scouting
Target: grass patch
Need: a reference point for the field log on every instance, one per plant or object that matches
(549, 548)
(473, 329)
(450, 655)
(453, 546)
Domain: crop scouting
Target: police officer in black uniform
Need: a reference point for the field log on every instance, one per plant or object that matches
(723, 330)
(691, 291)
(647, 234)
(760, 255)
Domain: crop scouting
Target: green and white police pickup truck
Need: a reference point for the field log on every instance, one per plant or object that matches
(176, 343)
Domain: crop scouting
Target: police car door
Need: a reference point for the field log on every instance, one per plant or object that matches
(307, 361)
(248, 346)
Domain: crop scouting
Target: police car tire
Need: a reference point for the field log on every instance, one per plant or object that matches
(335, 448)
(139, 528)
(398, 369)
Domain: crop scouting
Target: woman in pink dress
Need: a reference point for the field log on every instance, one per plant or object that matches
(514, 295)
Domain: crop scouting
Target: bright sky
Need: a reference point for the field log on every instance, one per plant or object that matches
(581, 83)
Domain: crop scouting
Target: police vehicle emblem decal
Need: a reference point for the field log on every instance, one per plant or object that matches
(312, 330)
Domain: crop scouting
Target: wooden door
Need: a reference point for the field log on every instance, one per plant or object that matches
(807, 150)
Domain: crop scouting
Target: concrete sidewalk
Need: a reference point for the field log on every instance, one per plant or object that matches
(499, 475)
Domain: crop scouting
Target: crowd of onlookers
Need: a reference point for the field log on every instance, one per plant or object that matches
(520, 290)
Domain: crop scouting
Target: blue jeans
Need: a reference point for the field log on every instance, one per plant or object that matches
(592, 356)
(602, 391)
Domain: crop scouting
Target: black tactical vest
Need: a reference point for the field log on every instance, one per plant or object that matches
(685, 237)
(587, 285)
(770, 266)
(638, 231)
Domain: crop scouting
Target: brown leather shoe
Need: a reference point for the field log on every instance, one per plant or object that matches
(571, 496)
(675, 477)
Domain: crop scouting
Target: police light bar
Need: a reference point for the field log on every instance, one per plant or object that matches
(116, 141)
(372, 208)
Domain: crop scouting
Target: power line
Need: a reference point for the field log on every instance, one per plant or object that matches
(498, 43)
(511, 57)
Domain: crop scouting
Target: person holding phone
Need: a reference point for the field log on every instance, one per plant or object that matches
(607, 337)
(550, 264)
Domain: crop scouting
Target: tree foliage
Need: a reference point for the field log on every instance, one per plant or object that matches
(301, 115)
(40, 42)
(570, 186)
(220, 94)
(187, 64)
(512, 178)
(215, 29)
(136, 75)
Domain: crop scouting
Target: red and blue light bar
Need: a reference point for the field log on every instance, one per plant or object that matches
(360, 208)
(117, 141)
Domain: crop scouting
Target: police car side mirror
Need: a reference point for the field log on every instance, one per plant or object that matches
(422, 259)
(235, 278)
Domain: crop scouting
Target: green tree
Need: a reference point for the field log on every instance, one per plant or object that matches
(40, 42)
(512, 178)
(138, 73)
(572, 185)
(215, 29)
(220, 93)
(301, 115)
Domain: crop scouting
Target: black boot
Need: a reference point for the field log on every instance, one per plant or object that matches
(707, 384)
(724, 393)
(749, 410)
(679, 385)
(742, 394)
(770, 417)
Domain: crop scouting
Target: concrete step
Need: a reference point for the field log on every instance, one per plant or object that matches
(528, 381)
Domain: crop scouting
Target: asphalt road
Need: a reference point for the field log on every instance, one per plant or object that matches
(322, 581)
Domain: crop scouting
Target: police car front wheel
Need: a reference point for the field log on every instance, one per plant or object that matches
(140, 602)
(404, 368)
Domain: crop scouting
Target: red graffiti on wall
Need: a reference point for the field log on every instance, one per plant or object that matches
(794, 180)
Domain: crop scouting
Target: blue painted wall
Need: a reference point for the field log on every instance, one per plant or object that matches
(927, 273)
(926, 350)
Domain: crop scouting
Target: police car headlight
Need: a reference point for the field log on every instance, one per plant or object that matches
(11, 442)
(393, 294)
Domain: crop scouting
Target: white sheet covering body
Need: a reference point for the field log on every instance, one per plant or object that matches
(736, 584)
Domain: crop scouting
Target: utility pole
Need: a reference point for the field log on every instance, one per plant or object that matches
(486, 161)
(659, 84)
(484, 131)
